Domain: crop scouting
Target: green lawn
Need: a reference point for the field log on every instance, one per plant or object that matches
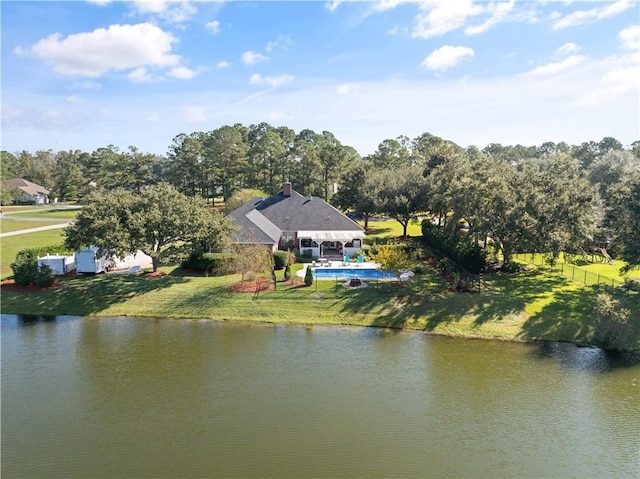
(523, 307)
(7, 226)
(10, 246)
(44, 212)
(390, 229)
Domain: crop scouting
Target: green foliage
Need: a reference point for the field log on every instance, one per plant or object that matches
(632, 284)
(393, 259)
(308, 277)
(470, 256)
(287, 272)
(27, 272)
(241, 197)
(612, 323)
(444, 265)
(217, 264)
(512, 267)
(280, 259)
(161, 222)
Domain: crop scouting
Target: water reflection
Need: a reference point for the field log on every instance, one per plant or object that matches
(585, 359)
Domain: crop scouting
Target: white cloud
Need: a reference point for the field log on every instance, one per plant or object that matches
(446, 57)
(499, 12)
(88, 85)
(169, 11)
(557, 67)
(213, 26)
(251, 58)
(223, 64)
(441, 16)
(592, 15)
(630, 37)
(141, 75)
(333, 5)
(74, 99)
(283, 42)
(194, 114)
(152, 118)
(182, 73)
(346, 88)
(119, 47)
(275, 81)
(101, 3)
(567, 49)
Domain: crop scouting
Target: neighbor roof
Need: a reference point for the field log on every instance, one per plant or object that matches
(25, 186)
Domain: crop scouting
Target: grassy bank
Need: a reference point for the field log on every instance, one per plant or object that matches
(10, 245)
(523, 307)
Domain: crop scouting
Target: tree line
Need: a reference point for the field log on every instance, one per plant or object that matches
(511, 198)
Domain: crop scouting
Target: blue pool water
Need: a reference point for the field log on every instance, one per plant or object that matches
(362, 273)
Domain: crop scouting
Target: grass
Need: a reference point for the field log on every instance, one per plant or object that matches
(46, 212)
(7, 226)
(523, 307)
(390, 229)
(11, 245)
(539, 305)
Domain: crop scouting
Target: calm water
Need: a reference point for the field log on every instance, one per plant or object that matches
(125, 398)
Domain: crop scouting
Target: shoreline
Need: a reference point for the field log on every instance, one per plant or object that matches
(523, 308)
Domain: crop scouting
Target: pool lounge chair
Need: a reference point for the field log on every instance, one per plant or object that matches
(346, 261)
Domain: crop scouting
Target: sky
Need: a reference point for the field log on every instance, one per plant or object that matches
(87, 74)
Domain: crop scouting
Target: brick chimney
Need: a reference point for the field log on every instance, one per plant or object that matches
(286, 188)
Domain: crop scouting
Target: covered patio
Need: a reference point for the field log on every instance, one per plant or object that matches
(330, 243)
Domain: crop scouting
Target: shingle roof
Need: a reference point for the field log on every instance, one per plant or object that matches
(287, 213)
(24, 185)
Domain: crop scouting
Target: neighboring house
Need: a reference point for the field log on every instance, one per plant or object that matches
(291, 220)
(25, 192)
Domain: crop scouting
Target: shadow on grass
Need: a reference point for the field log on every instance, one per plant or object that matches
(84, 295)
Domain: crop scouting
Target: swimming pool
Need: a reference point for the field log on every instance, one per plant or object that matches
(341, 273)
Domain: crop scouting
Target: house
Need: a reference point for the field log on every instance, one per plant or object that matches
(291, 220)
(25, 192)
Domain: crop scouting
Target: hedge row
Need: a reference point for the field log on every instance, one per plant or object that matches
(217, 264)
(470, 256)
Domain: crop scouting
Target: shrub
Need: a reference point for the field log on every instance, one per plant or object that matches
(632, 284)
(280, 259)
(287, 272)
(512, 267)
(308, 277)
(444, 265)
(27, 272)
(612, 325)
(218, 264)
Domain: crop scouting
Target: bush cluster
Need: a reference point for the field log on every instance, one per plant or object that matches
(470, 256)
(27, 272)
(280, 259)
(217, 264)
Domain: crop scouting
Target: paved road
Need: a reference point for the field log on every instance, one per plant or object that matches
(34, 230)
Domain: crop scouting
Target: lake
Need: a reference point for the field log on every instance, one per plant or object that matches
(137, 398)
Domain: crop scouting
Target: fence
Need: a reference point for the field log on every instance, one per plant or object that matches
(570, 271)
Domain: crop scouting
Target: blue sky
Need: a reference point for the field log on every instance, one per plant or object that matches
(82, 75)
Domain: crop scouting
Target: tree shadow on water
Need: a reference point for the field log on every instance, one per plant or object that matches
(585, 359)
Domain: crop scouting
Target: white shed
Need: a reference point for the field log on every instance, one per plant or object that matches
(59, 264)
